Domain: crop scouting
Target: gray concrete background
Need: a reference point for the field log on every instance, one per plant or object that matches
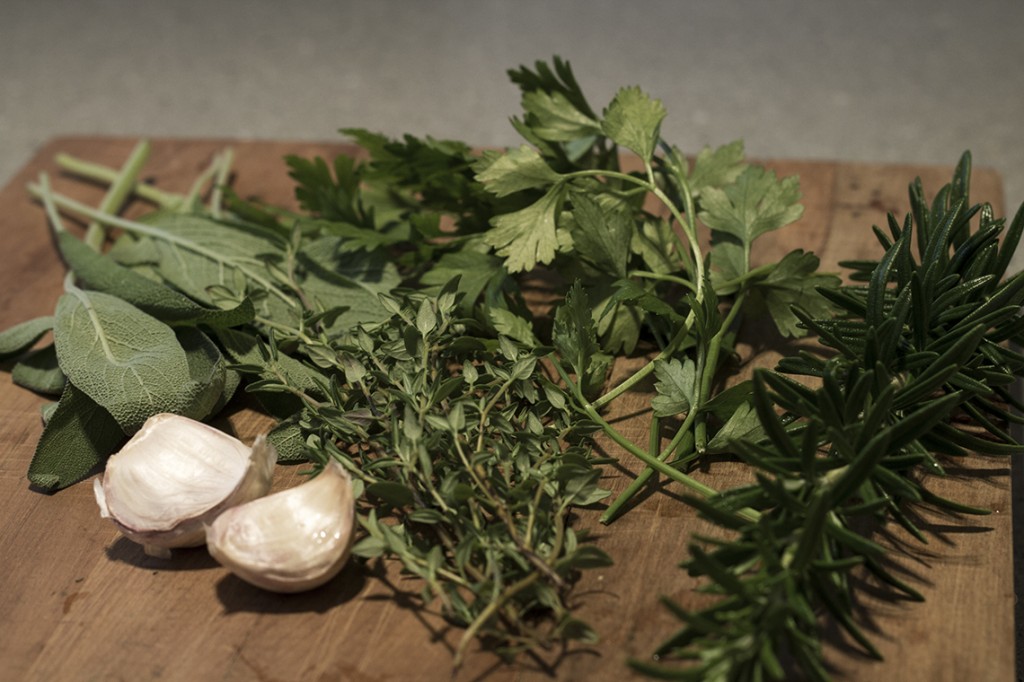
(870, 80)
(915, 82)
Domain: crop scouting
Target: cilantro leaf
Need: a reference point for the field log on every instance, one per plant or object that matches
(755, 204)
(633, 120)
(793, 282)
(676, 386)
(513, 171)
(528, 236)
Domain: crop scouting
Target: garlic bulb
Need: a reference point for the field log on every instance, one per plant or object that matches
(292, 540)
(174, 476)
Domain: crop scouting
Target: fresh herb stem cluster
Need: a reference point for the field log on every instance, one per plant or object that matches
(443, 321)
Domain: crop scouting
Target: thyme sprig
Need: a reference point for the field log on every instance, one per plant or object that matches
(472, 462)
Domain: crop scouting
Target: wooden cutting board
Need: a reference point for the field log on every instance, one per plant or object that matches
(77, 602)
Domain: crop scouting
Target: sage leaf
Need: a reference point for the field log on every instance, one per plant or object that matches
(78, 437)
(288, 441)
(130, 363)
(206, 366)
(102, 273)
(39, 371)
(22, 336)
(352, 282)
(198, 255)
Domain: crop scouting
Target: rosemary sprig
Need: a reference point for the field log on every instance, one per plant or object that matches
(918, 358)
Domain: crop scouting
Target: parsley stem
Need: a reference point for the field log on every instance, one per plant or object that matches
(707, 374)
(644, 274)
(644, 371)
(641, 454)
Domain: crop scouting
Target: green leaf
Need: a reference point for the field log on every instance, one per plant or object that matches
(513, 171)
(600, 236)
(102, 273)
(393, 493)
(245, 349)
(39, 371)
(633, 120)
(287, 439)
(574, 334)
(78, 438)
(129, 362)
(207, 368)
(479, 274)
(743, 425)
(509, 324)
(351, 281)
(198, 255)
(755, 204)
(716, 168)
(553, 117)
(794, 281)
(656, 245)
(528, 237)
(22, 336)
(676, 386)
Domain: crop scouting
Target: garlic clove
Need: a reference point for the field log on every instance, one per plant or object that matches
(174, 476)
(292, 540)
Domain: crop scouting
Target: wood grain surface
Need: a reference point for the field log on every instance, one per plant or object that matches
(78, 602)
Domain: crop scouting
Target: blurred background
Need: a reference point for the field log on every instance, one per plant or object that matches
(916, 82)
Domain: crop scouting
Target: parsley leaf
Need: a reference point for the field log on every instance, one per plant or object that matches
(513, 171)
(528, 236)
(599, 235)
(633, 120)
(755, 204)
(717, 167)
(793, 282)
(676, 386)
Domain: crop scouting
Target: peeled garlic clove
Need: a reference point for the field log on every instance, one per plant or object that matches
(174, 476)
(292, 540)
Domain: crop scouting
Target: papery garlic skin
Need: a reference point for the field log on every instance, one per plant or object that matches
(292, 540)
(174, 476)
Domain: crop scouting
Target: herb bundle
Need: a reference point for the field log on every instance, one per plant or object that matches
(442, 321)
(914, 369)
